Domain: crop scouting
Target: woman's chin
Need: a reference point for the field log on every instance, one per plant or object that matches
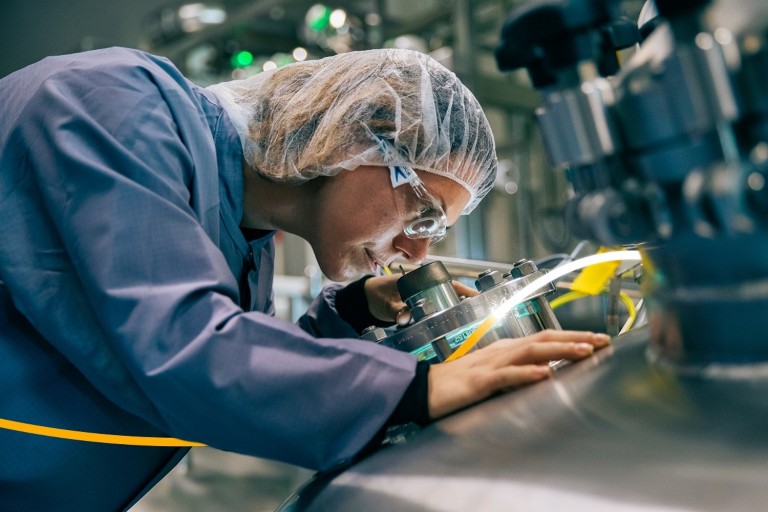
(337, 273)
(342, 269)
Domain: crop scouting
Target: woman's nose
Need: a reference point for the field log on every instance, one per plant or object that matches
(412, 249)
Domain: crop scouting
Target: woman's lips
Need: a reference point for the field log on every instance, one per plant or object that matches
(378, 263)
(372, 263)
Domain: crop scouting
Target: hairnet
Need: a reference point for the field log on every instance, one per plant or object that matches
(375, 107)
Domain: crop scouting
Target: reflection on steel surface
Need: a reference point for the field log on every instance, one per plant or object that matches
(608, 433)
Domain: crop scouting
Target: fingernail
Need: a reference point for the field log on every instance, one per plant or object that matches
(541, 371)
(584, 348)
(403, 317)
(603, 337)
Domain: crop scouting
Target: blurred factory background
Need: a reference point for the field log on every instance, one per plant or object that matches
(231, 39)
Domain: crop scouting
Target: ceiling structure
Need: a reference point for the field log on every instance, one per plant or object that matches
(459, 33)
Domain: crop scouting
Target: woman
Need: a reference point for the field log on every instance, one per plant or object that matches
(137, 214)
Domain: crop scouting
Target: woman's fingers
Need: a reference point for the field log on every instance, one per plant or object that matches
(596, 340)
(383, 299)
(402, 314)
(463, 290)
(503, 365)
(541, 352)
(512, 377)
(457, 384)
(537, 353)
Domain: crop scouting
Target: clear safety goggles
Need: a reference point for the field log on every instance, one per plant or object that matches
(423, 216)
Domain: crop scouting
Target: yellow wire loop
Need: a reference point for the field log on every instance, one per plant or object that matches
(631, 309)
(626, 299)
(566, 298)
(525, 292)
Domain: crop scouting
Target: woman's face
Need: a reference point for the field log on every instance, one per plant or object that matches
(359, 226)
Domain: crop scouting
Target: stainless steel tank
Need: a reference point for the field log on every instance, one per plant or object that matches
(610, 433)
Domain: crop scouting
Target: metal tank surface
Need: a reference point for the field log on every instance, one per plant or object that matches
(608, 433)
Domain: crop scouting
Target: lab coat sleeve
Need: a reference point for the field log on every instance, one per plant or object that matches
(322, 317)
(113, 167)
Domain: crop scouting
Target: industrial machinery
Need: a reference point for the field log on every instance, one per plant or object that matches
(669, 152)
(443, 320)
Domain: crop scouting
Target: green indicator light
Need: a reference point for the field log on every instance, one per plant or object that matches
(318, 17)
(242, 59)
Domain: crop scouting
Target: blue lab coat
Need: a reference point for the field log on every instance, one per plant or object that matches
(131, 303)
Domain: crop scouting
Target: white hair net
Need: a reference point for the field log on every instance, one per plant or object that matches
(375, 107)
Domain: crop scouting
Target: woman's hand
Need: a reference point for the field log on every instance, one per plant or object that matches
(505, 364)
(385, 303)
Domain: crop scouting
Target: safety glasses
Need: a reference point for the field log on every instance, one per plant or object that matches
(423, 216)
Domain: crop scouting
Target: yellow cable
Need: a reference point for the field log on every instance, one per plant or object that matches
(478, 333)
(75, 435)
(566, 298)
(556, 273)
(571, 296)
(631, 309)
